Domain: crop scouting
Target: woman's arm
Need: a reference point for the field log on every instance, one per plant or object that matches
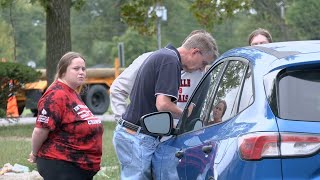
(39, 135)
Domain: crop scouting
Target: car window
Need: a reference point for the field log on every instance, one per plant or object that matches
(298, 96)
(225, 101)
(201, 101)
(247, 91)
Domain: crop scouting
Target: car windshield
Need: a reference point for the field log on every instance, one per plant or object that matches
(298, 95)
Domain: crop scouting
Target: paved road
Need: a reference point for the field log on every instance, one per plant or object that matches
(32, 120)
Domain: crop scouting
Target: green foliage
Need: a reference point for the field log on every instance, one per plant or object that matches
(135, 14)
(134, 45)
(26, 25)
(268, 16)
(2, 113)
(6, 41)
(304, 16)
(209, 12)
(97, 26)
(12, 78)
(5, 3)
(179, 24)
(93, 28)
(232, 33)
(78, 4)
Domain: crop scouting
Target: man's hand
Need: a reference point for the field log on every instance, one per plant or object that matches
(190, 108)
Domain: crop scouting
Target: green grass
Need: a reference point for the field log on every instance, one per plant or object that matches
(16, 145)
(26, 113)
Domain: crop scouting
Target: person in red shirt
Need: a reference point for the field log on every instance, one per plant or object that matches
(67, 138)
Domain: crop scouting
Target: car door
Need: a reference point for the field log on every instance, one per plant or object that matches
(169, 160)
(192, 154)
(208, 142)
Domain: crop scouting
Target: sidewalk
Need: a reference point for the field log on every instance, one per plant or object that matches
(32, 120)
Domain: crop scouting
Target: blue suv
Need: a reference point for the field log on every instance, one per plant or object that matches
(254, 115)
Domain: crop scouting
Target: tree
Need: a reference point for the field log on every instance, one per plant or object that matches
(135, 14)
(177, 26)
(268, 15)
(304, 16)
(233, 32)
(23, 18)
(93, 28)
(6, 41)
(58, 36)
(10, 5)
(180, 22)
(211, 12)
(134, 44)
(207, 12)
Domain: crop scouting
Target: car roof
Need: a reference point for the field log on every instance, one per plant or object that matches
(269, 57)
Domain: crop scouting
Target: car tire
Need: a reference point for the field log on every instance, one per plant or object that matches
(34, 112)
(97, 99)
(21, 106)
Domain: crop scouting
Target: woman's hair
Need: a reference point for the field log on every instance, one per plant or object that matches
(262, 32)
(65, 61)
(224, 106)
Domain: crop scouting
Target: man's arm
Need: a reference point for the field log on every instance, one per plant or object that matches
(122, 86)
(164, 103)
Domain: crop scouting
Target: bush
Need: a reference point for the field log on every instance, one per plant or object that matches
(2, 113)
(13, 76)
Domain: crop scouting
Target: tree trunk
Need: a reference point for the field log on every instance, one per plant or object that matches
(58, 34)
(13, 34)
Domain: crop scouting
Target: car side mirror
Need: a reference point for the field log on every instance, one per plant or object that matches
(157, 123)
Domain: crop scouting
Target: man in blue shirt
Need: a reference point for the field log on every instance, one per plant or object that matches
(156, 89)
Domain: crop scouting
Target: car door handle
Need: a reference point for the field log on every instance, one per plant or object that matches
(179, 154)
(207, 149)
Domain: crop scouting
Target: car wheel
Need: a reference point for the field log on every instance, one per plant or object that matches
(97, 99)
(21, 106)
(34, 112)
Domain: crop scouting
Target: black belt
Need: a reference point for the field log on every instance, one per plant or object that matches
(130, 126)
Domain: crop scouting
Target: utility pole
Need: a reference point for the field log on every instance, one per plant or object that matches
(161, 13)
(159, 32)
(121, 54)
(282, 6)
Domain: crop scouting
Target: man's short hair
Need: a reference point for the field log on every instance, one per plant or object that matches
(204, 41)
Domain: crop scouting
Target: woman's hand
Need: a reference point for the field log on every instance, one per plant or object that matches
(32, 158)
(39, 135)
